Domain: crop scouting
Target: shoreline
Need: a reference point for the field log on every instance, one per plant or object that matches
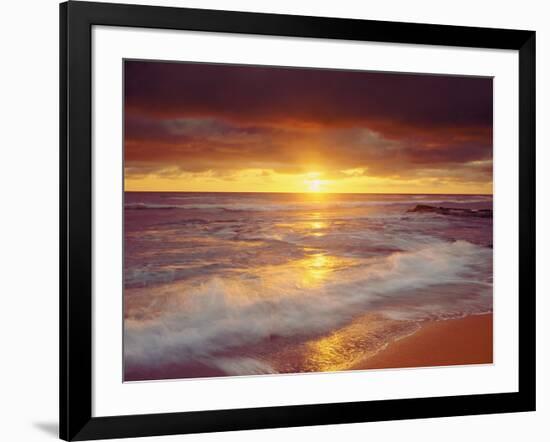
(463, 341)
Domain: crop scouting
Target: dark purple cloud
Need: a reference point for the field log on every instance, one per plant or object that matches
(270, 94)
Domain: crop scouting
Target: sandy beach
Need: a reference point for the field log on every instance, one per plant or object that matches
(452, 342)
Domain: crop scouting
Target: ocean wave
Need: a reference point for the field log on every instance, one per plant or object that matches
(228, 312)
(263, 206)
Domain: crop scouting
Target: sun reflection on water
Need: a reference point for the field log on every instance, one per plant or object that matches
(357, 341)
(315, 269)
(317, 228)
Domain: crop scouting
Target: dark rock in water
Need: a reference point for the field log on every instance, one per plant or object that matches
(478, 213)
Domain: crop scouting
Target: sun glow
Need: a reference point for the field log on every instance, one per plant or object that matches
(314, 183)
(314, 186)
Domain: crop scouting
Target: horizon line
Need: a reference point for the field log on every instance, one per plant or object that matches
(306, 193)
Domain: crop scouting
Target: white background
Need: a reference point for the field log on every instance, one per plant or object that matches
(28, 225)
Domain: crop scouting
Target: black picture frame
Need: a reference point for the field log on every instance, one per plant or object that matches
(76, 21)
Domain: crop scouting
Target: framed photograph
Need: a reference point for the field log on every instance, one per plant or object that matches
(272, 220)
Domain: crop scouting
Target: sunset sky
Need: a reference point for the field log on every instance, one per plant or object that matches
(206, 127)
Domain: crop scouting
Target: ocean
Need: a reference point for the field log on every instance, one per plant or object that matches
(233, 284)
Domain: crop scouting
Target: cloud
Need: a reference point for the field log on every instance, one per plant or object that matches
(192, 118)
(326, 97)
(199, 145)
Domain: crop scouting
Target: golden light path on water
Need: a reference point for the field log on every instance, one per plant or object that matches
(339, 349)
(316, 269)
(346, 346)
(361, 339)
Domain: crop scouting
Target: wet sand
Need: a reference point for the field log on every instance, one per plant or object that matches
(453, 342)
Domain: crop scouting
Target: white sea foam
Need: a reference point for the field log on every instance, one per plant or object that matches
(228, 312)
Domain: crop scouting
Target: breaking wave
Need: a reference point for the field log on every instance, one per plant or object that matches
(228, 312)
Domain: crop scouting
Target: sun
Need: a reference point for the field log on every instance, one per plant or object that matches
(314, 185)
